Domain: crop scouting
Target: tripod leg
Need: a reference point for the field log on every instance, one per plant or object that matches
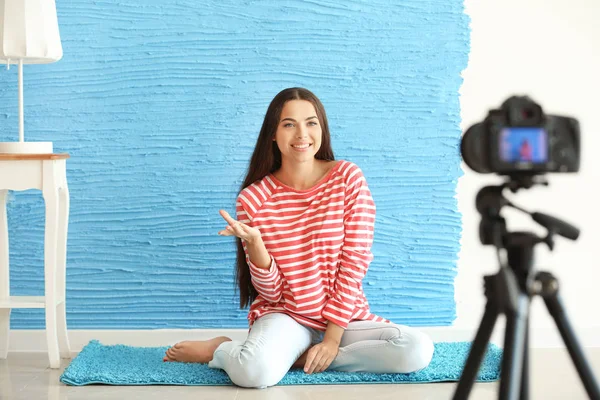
(477, 352)
(525, 371)
(514, 344)
(557, 311)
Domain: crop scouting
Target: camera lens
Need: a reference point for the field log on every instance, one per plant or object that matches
(472, 149)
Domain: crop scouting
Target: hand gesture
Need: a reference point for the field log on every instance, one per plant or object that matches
(320, 356)
(238, 229)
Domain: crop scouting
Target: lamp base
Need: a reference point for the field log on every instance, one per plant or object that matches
(26, 147)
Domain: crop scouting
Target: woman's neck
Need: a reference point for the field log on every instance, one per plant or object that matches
(301, 176)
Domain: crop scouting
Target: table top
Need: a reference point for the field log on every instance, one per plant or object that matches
(49, 156)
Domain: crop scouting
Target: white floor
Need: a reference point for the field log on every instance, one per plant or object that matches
(25, 376)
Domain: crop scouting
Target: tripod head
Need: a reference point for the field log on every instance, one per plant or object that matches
(492, 229)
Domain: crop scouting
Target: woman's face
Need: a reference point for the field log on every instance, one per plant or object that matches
(299, 133)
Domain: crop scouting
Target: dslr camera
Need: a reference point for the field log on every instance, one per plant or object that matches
(519, 139)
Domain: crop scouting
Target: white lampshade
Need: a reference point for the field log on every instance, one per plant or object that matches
(29, 32)
(28, 35)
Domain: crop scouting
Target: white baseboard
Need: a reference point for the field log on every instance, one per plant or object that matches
(35, 340)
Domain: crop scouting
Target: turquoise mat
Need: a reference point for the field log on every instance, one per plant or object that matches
(128, 365)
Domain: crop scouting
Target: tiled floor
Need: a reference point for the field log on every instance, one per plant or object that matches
(25, 376)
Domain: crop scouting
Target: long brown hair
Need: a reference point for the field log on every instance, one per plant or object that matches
(266, 159)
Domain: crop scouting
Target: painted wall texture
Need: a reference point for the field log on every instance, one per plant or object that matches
(159, 104)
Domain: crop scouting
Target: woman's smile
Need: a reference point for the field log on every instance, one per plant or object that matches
(301, 146)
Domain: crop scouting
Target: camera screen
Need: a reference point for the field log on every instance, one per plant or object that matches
(524, 144)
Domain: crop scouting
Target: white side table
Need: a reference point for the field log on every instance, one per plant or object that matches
(46, 172)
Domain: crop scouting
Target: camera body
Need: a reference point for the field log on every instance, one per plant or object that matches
(519, 139)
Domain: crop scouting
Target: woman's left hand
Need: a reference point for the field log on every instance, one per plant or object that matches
(320, 356)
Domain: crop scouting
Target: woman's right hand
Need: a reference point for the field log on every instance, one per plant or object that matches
(238, 229)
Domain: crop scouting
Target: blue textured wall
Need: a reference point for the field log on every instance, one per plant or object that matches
(159, 104)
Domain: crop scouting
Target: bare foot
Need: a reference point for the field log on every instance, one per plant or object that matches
(194, 351)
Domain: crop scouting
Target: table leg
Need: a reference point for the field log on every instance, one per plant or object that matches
(4, 276)
(61, 271)
(50, 193)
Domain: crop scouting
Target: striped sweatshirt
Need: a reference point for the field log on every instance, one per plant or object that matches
(319, 241)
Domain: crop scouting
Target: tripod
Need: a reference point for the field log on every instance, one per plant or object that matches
(510, 291)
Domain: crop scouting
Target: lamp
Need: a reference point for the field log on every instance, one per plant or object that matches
(28, 35)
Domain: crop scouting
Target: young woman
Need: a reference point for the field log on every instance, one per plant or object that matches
(304, 231)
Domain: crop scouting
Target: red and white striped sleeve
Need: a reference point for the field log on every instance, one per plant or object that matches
(267, 282)
(359, 223)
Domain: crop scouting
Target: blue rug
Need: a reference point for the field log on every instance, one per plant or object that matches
(127, 365)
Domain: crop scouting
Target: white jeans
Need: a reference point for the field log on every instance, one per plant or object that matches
(276, 341)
